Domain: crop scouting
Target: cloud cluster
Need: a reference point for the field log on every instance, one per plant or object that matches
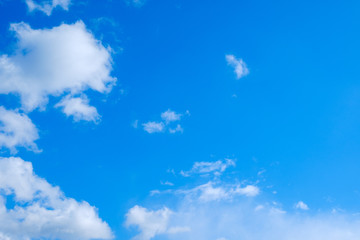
(41, 210)
(168, 117)
(220, 210)
(47, 6)
(62, 62)
(16, 129)
(239, 66)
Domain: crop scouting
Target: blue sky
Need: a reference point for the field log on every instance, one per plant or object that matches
(178, 119)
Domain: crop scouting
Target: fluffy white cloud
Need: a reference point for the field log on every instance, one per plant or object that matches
(79, 108)
(170, 116)
(51, 62)
(151, 223)
(239, 66)
(47, 6)
(154, 127)
(215, 168)
(16, 129)
(301, 205)
(41, 211)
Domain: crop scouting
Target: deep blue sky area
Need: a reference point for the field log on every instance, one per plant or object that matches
(296, 115)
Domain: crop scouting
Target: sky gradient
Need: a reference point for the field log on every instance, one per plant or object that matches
(177, 119)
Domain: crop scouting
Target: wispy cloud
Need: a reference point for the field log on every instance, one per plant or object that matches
(217, 191)
(228, 210)
(47, 6)
(135, 3)
(239, 66)
(177, 129)
(216, 167)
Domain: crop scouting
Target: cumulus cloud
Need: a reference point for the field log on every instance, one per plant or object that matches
(239, 66)
(154, 127)
(79, 108)
(16, 129)
(51, 62)
(47, 6)
(168, 117)
(151, 223)
(215, 168)
(301, 205)
(41, 211)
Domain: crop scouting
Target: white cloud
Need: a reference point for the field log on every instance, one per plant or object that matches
(16, 129)
(217, 167)
(51, 62)
(219, 210)
(170, 116)
(151, 223)
(79, 108)
(47, 6)
(249, 190)
(239, 66)
(301, 205)
(41, 211)
(218, 191)
(167, 183)
(154, 127)
(177, 129)
(247, 218)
